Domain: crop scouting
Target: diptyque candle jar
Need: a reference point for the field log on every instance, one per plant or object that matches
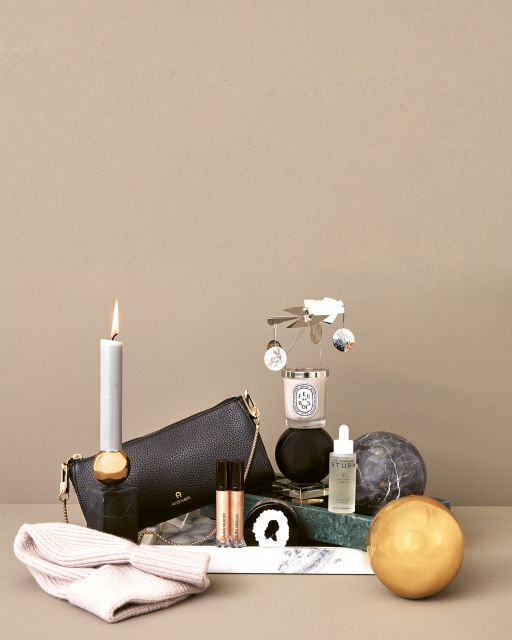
(304, 397)
(302, 452)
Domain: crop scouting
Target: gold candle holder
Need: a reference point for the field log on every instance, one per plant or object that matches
(111, 467)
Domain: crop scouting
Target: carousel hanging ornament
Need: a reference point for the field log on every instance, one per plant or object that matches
(343, 339)
(275, 356)
(310, 316)
(315, 333)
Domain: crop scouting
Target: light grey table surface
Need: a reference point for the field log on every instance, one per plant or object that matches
(477, 605)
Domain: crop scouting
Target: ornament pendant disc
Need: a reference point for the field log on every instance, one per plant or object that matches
(275, 358)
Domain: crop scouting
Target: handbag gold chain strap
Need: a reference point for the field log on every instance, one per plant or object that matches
(64, 484)
(64, 479)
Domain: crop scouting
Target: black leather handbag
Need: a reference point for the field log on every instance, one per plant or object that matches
(174, 468)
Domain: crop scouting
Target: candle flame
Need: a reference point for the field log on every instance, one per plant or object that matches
(115, 321)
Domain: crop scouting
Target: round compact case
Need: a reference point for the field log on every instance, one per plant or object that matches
(271, 523)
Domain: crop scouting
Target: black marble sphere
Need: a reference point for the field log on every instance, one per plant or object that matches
(388, 467)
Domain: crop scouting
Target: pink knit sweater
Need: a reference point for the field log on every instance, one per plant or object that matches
(111, 577)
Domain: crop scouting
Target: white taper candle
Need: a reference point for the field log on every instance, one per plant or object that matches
(111, 392)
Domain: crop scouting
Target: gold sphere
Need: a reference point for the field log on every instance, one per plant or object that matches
(415, 546)
(111, 467)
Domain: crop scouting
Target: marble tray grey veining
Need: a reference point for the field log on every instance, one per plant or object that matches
(296, 560)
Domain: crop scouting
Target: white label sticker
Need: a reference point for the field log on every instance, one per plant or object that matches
(305, 400)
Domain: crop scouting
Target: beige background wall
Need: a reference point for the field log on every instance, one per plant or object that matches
(210, 163)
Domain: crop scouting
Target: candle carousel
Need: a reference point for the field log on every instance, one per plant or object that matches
(302, 451)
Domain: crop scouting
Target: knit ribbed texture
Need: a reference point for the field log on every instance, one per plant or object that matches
(111, 577)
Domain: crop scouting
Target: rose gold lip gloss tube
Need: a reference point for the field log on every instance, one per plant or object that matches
(236, 504)
(222, 503)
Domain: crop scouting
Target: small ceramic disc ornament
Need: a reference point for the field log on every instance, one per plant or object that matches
(315, 333)
(275, 358)
(343, 339)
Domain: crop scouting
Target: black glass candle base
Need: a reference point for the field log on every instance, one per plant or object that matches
(113, 510)
(302, 455)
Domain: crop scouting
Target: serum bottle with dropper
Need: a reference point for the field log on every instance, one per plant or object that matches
(342, 474)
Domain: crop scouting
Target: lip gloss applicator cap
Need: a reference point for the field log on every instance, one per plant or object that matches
(222, 482)
(237, 475)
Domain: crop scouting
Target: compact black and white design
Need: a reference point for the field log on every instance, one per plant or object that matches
(305, 399)
(271, 523)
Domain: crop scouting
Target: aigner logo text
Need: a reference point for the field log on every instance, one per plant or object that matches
(179, 499)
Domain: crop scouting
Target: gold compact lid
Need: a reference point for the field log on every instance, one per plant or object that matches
(301, 374)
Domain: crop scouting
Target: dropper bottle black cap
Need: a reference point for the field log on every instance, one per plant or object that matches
(237, 475)
(222, 483)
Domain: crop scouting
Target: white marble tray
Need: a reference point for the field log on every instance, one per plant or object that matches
(297, 560)
(186, 529)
